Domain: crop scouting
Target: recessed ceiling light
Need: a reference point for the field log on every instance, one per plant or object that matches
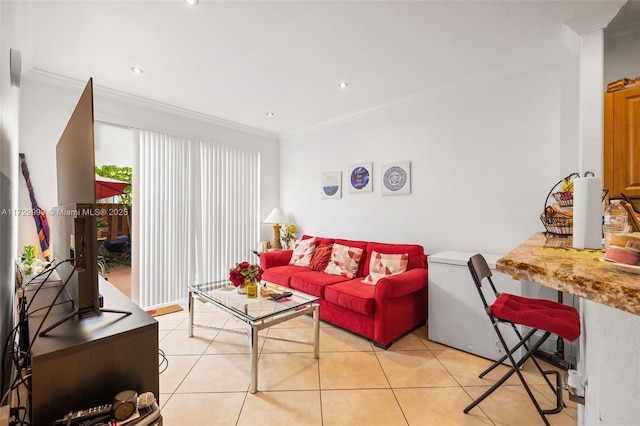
(192, 2)
(137, 70)
(270, 114)
(343, 84)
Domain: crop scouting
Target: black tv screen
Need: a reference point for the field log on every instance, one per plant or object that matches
(74, 222)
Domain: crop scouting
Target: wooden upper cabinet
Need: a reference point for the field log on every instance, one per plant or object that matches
(622, 142)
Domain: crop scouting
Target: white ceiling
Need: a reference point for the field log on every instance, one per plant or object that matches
(236, 60)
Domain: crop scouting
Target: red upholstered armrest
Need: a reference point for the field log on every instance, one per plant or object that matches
(402, 284)
(272, 259)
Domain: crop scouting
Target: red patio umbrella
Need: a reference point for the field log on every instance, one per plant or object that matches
(107, 187)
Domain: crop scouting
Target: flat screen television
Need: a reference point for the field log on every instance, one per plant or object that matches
(74, 228)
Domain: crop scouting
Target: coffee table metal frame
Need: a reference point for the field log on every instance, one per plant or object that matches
(259, 313)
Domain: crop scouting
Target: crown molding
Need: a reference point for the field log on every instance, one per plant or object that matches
(59, 80)
(596, 19)
(624, 34)
(478, 79)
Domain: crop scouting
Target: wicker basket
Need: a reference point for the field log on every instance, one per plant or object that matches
(557, 225)
(561, 225)
(565, 199)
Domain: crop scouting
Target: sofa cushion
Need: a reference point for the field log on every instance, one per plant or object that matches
(352, 295)
(303, 251)
(282, 274)
(417, 258)
(321, 257)
(314, 282)
(344, 261)
(383, 265)
(319, 240)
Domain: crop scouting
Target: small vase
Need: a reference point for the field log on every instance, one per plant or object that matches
(242, 289)
(252, 290)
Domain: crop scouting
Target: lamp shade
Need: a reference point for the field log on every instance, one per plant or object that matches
(276, 216)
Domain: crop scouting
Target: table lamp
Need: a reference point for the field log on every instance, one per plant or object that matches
(276, 217)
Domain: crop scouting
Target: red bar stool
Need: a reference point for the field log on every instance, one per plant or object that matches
(545, 315)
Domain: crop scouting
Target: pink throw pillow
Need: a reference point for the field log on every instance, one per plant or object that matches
(344, 261)
(302, 252)
(382, 265)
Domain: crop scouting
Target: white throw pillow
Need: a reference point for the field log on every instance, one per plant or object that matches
(382, 265)
(344, 261)
(303, 252)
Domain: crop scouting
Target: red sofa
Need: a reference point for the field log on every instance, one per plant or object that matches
(383, 312)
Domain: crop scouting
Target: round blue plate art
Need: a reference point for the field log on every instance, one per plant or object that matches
(360, 177)
(394, 178)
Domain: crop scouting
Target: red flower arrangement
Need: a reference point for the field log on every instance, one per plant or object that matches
(244, 272)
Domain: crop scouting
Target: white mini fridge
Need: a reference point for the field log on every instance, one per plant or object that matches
(456, 315)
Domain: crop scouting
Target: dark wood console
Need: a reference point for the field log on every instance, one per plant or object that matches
(84, 363)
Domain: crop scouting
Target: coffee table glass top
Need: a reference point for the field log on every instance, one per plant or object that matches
(224, 294)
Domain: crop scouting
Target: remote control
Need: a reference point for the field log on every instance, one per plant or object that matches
(84, 414)
(279, 296)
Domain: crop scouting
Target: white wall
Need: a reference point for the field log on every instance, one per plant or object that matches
(14, 33)
(113, 145)
(621, 61)
(483, 159)
(45, 108)
(612, 369)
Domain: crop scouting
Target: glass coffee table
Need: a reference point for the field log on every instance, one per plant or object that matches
(259, 313)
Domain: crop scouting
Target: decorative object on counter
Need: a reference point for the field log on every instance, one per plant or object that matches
(288, 235)
(361, 177)
(331, 185)
(245, 274)
(587, 207)
(622, 255)
(276, 217)
(396, 178)
(624, 249)
(558, 218)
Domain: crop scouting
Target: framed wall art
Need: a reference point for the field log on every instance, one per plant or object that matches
(396, 178)
(331, 185)
(361, 177)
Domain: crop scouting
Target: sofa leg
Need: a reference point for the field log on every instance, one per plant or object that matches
(385, 347)
(381, 346)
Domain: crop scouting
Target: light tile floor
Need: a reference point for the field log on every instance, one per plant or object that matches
(415, 382)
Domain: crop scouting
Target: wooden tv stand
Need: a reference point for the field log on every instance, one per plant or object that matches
(84, 363)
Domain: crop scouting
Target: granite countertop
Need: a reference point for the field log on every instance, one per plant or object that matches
(552, 262)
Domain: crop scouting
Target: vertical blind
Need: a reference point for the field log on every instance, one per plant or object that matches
(195, 214)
